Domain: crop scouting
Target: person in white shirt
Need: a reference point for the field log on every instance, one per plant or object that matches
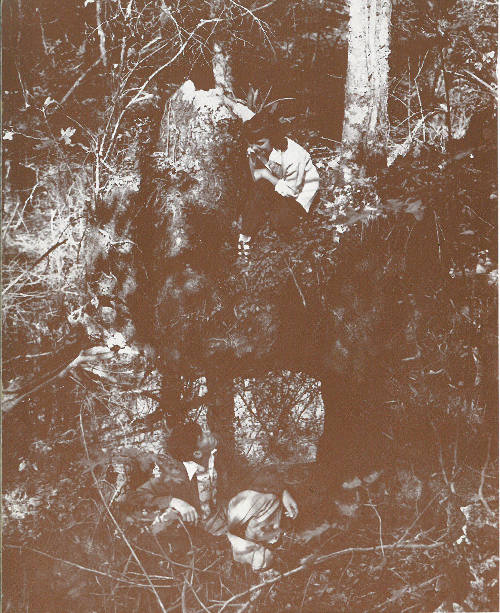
(285, 178)
(187, 485)
(187, 489)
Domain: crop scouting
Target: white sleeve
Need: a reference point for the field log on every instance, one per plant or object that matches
(283, 189)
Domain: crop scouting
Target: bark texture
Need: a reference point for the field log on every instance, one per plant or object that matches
(165, 255)
(184, 231)
(221, 52)
(366, 123)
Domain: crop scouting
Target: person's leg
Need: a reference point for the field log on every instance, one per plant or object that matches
(254, 213)
(285, 213)
(216, 524)
(314, 206)
(261, 509)
(253, 520)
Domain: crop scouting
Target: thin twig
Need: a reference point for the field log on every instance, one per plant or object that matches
(481, 484)
(406, 589)
(302, 297)
(264, 6)
(419, 515)
(488, 86)
(375, 510)
(86, 568)
(258, 21)
(28, 356)
(48, 252)
(197, 598)
(29, 268)
(183, 596)
(305, 593)
(319, 560)
(78, 81)
(116, 524)
(447, 87)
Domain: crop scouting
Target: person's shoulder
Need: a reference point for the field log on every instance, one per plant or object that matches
(294, 149)
(173, 470)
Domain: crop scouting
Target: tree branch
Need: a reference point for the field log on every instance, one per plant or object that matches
(100, 31)
(471, 76)
(85, 568)
(79, 80)
(315, 561)
(116, 524)
(447, 87)
(481, 485)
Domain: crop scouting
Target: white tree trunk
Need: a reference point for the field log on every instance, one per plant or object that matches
(221, 53)
(366, 124)
(221, 66)
(100, 31)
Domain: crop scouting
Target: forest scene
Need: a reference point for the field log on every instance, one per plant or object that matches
(249, 306)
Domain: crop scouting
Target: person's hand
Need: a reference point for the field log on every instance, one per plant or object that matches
(188, 513)
(252, 160)
(262, 173)
(291, 508)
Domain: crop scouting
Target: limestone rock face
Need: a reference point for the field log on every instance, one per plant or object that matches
(184, 225)
(161, 239)
(199, 159)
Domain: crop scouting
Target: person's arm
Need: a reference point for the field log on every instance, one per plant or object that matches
(269, 479)
(267, 175)
(291, 508)
(259, 173)
(295, 161)
(186, 511)
(155, 493)
(158, 493)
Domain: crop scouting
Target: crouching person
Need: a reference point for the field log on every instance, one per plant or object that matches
(285, 180)
(254, 525)
(186, 489)
(186, 492)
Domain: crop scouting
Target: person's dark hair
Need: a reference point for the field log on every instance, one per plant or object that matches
(264, 125)
(183, 441)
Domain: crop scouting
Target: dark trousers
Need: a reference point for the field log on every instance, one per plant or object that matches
(283, 213)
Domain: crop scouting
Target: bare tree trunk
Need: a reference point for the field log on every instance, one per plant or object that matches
(100, 31)
(221, 66)
(351, 444)
(366, 124)
(220, 403)
(221, 54)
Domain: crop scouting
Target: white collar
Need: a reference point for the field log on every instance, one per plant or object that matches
(193, 467)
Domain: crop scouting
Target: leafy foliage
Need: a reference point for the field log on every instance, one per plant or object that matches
(419, 239)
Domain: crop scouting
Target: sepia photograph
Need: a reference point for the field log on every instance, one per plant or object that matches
(250, 306)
